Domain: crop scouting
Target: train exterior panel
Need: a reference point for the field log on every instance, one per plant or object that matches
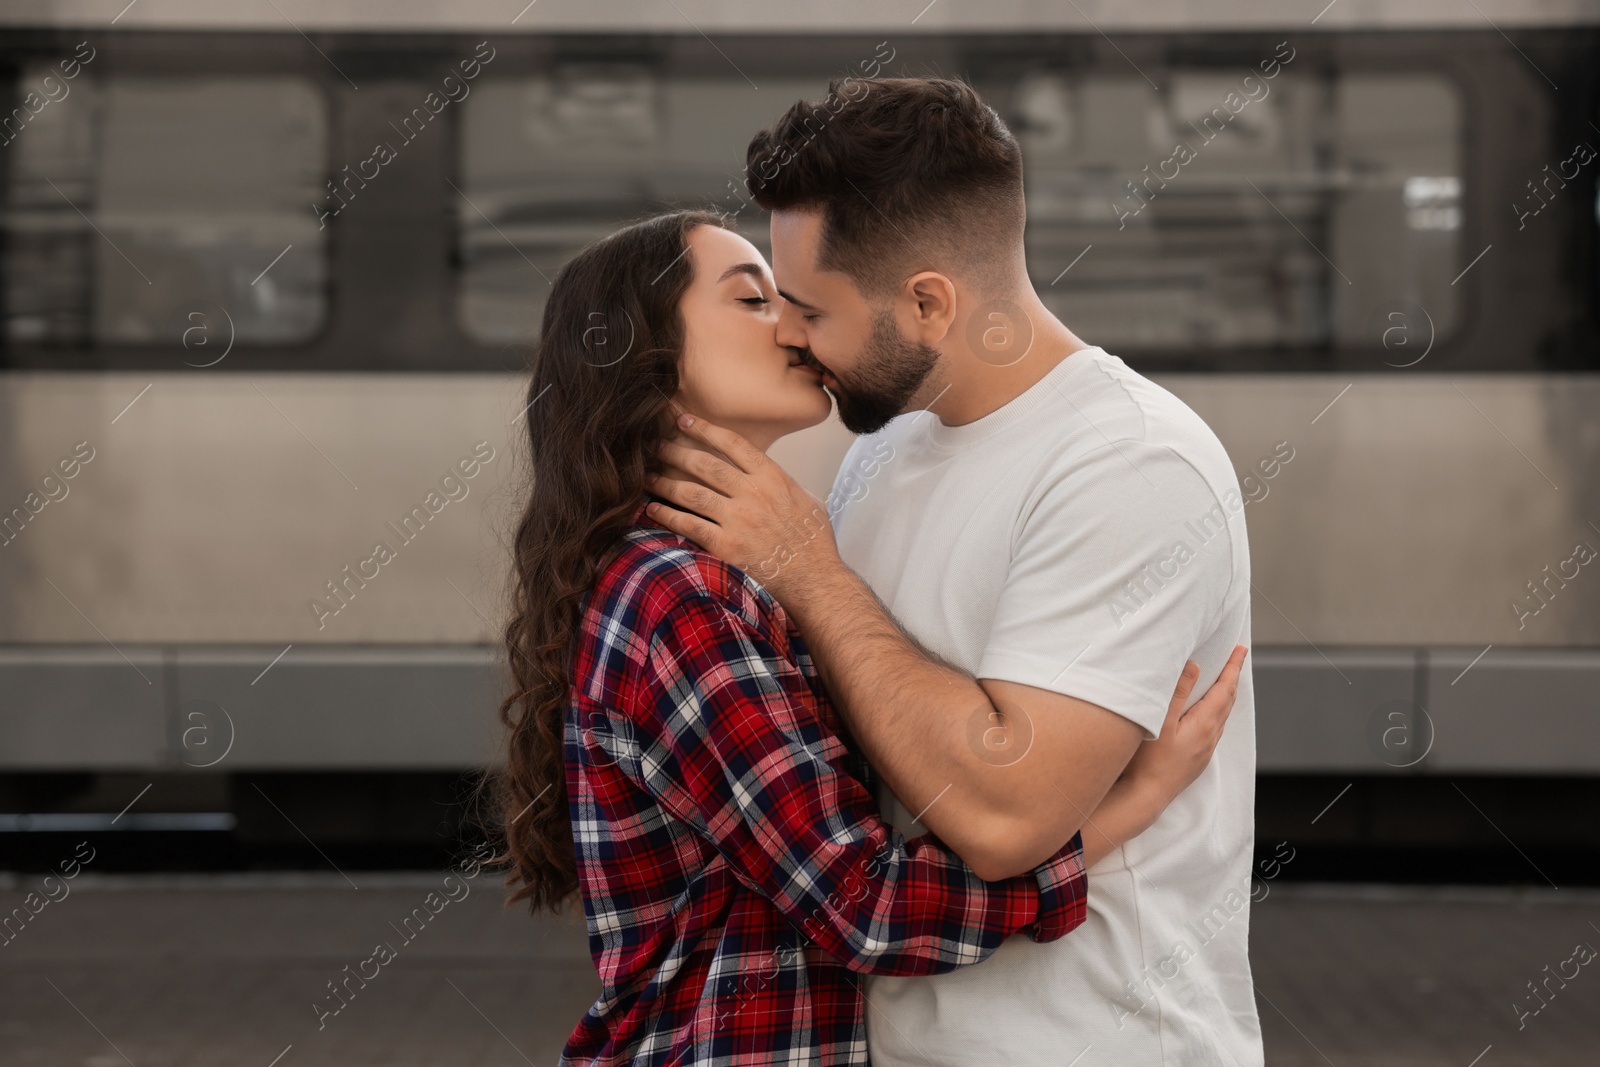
(264, 347)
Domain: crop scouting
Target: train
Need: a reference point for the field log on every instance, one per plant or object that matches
(270, 278)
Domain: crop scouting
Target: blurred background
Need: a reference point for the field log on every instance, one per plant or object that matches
(270, 272)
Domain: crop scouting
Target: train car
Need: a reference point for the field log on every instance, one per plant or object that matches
(270, 274)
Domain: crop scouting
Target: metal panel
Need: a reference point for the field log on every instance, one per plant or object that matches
(838, 16)
(1515, 711)
(1361, 711)
(1415, 510)
(75, 708)
(1315, 713)
(391, 708)
(217, 509)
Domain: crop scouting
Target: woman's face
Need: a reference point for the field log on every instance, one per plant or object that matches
(733, 371)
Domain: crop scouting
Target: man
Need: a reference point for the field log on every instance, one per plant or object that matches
(1057, 534)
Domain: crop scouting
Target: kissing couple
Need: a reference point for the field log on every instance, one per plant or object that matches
(917, 776)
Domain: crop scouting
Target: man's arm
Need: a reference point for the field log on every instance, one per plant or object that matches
(720, 747)
(1002, 771)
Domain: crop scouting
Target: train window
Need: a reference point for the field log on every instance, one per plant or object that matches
(1202, 211)
(1301, 208)
(554, 161)
(132, 202)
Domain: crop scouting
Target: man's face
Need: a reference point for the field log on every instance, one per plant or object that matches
(870, 368)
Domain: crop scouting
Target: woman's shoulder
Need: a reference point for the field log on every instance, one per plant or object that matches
(662, 590)
(655, 572)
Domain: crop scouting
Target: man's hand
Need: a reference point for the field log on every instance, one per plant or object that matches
(748, 511)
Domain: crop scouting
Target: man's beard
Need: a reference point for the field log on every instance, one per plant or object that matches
(888, 374)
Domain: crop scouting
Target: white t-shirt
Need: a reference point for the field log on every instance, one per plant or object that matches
(1087, 538)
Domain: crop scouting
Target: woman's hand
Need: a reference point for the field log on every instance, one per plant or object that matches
(1165, 767)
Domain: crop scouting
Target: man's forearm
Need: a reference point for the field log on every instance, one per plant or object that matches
(909, 711)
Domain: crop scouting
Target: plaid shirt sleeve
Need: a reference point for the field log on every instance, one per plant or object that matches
(729, 743)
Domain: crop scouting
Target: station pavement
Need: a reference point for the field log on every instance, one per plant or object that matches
(195, 971)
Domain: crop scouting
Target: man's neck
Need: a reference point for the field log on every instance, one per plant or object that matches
(972, 387)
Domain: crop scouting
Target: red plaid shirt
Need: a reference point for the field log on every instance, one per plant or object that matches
(736, 875)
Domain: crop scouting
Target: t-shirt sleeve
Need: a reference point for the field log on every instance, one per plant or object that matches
(1118, 570)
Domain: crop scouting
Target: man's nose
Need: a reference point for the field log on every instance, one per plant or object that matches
(790, 332)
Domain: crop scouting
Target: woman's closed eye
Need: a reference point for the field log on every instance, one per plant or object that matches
(754, 301)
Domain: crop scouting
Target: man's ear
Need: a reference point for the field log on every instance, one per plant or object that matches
(928, 300)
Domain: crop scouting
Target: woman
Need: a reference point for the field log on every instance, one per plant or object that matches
(672, 757)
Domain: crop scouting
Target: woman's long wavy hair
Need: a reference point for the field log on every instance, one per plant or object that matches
(604, 370)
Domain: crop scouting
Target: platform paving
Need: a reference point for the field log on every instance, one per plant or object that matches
(205, 971)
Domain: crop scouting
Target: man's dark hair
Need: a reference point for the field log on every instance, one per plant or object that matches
(909, 174)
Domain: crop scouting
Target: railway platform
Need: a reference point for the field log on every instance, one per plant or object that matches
(203, 970)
